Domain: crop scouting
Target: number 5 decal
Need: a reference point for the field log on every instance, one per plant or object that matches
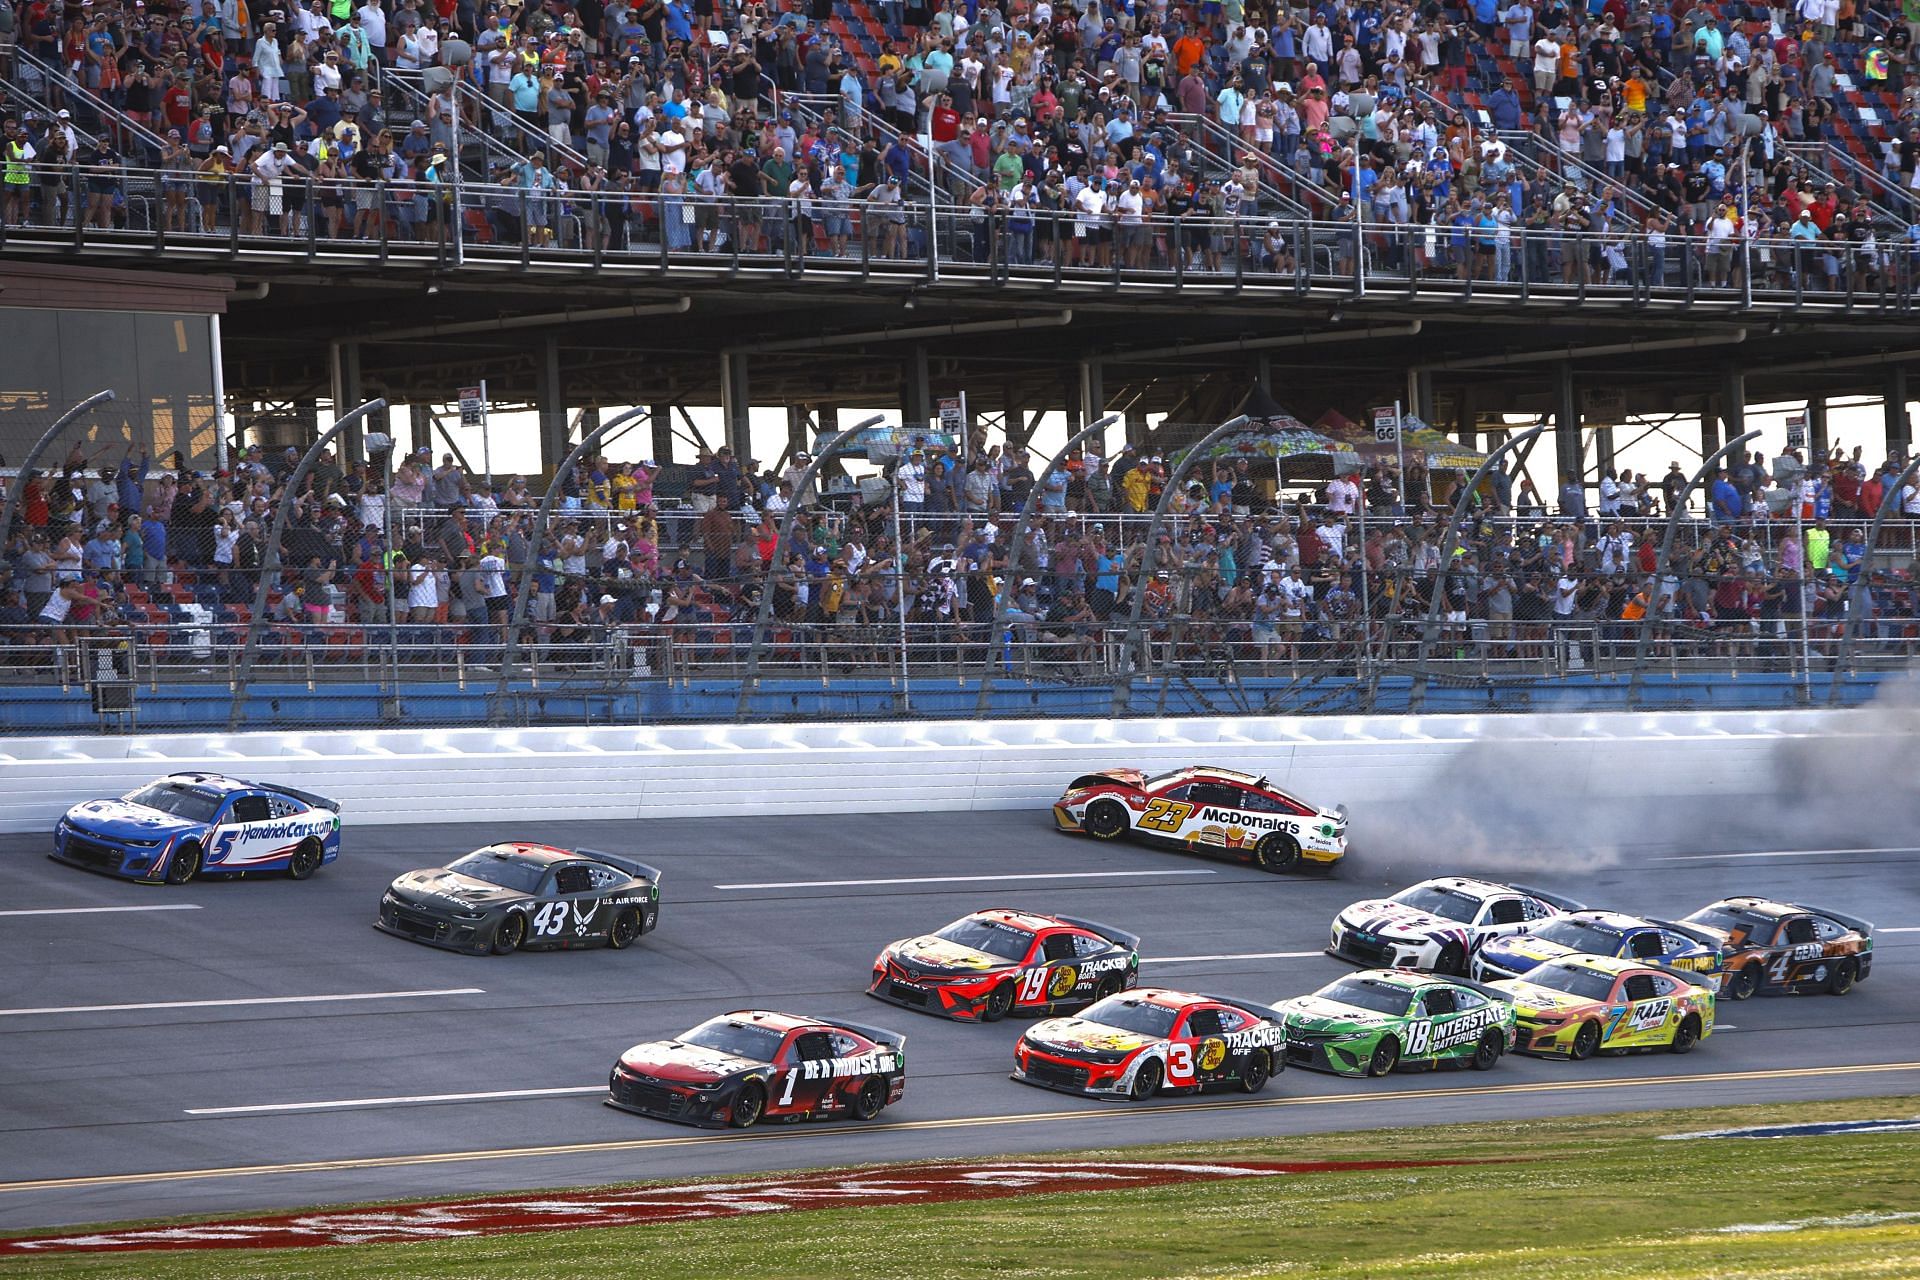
(1180, 1063)
(1165, 815)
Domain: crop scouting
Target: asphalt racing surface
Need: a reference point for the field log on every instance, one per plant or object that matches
(257, 1044)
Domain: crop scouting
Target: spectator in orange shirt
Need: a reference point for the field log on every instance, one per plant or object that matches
(1188, 51)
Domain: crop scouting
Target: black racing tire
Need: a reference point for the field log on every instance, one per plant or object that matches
(1259, 1070)
(1486, 1054)
(1107, 986)
(872, 1097)
(999, 1003)
(1386, 1056)
(1148, 1079)
(1743, 982)
(511, 932)
(305, 860)
(748, 1105)
(626, 929)
(185, 863)
(1844, 975)
(1687, 1036)
(1277, 853)
(1452, 961)
(1585, 1041)
(1105, 820)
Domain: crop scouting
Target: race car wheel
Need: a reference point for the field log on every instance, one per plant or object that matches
(1841, 980)
(185, 863)
(1277, 852)
(1744, 982)
(1585, 1041)
(1146, 1081)
(626, 928)
(999, 1003)
(748, 1105)
(1452, 961)
(511, 933)
(1687, 1036)
(1259, 1069)
(1108, 986)
(305, 860)
(1105, 820)
(872, 1096)
(1386, 1056)
(1486, 1054)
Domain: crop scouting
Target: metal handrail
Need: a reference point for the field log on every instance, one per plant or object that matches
(1265, 164)
(103, 110)
(953, 179)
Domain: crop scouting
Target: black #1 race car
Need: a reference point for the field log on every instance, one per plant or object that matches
(734, 1070)
(984, 966)
(517, 896)
(1143, 1042)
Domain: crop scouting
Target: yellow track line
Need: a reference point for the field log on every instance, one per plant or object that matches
(959, 1122)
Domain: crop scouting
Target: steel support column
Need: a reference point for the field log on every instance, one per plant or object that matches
(736, 404)
(1817, 438)
(1733, 405)
(551, 394)
(419, 428)
(916, 388)
(1569, 450)
(1899, 425)
(1093, 399)
(660, 418)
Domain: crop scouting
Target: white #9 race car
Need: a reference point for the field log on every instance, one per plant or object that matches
(1439, 925)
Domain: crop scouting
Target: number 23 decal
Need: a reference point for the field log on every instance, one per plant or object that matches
(1165, 815)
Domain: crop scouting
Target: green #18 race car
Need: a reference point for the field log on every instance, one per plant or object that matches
(1379, 1019)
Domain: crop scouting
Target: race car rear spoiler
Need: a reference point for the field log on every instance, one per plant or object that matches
(628, 865)
(1852, 922)
(1248, 1006)
(1551, 899)
(1485, 989)
(1694, 931)
(1119, 937)
(894, 1040)
(304, 797)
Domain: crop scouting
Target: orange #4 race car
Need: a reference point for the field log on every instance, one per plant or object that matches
(1786, 948)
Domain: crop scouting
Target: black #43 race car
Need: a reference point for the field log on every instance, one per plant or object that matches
(984, 966)
(517, 896)
(742, 1067)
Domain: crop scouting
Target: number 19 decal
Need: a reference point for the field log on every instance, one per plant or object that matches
(1033, 984)
(1165, 815)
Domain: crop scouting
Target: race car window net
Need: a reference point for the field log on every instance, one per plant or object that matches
(181, 802)
(251, 809)
(1581, 936)
(741, 1039)
(1363, 994)
(573, 880)
(1640, 987)
(990, 936)
(1506, 911)
(1129, 1014)
(508, 873)
(1448, 904)
(1440, 1000)
(1060, 946)
(1574, 981)
(1646, 946)
(1800, 929)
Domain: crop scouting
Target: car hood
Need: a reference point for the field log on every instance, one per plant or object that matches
(1392, 919)
(1534, 999)
(1077, 1035)
(939, 955)
(684, 1063)
(1311, 1013)
(133, 821)
(437, 883)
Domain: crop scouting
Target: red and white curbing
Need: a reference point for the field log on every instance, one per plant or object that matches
(631, 1206)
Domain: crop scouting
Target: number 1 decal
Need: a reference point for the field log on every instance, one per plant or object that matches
(1165, 815)
(793, 1077)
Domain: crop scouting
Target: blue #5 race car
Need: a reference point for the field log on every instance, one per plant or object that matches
(194, 824)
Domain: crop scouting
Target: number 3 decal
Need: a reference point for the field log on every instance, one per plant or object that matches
(1180, 1062)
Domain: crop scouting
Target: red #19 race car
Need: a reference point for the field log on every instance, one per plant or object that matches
(736, 1069)
(1206, 810)
(1142, 1042)
(984, 966)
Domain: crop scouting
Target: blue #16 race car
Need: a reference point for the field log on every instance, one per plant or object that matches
(193, 824)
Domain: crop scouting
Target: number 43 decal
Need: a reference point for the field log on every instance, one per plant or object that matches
(1165, 815)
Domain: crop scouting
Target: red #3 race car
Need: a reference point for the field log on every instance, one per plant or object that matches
(1206, 810)
(984, 966)
(1141, 1042)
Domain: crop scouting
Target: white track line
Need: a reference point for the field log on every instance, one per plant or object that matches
(1245, 955)
(1044, 875)
(497, 1095)
(1907, 928)
(256, 1000)
(1777, 853)
(87, 911)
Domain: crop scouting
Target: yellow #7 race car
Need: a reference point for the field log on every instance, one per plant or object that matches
(1580, 1005)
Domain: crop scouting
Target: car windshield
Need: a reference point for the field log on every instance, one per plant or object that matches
(741, 1039)
(495, 868)
(1581, 935)
(1449, 904)
(990, 936)
(1365, 993)
(1730, 920)
(1130, 1013)
(1575, 980)
(181, 802)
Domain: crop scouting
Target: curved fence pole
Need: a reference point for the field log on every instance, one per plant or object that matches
(1016, 545)
(1859, 591)
(270, 560)
(1664, 561)
(12, 504)
(1123, 679)
(782, 539)
(1449, 547)
(517, 618)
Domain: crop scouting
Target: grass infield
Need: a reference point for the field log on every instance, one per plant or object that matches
(1596, 1198)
